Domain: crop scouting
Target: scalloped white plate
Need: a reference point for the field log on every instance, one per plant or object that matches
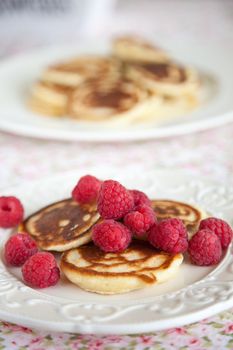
(18, 73)
(195, 293)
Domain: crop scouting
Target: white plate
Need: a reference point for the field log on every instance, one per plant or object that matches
(17, 74)
(195, 293)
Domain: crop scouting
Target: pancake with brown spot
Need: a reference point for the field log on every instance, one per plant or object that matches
(113, 101)
(50, 95)
(139, 266)
(79, 69)
(189, 214)
(62, 225)
(136, 49)
(166, 78)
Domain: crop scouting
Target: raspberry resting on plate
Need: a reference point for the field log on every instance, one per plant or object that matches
(19, 248)
(11, 211)
(220, 227)
(205, 248)
(41, 270)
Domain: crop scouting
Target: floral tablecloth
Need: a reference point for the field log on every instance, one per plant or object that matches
(208, 154)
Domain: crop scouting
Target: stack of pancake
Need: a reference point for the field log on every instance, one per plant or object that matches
(66, 227)
(137, 82)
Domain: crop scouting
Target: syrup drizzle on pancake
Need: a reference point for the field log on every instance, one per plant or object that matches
(135, 260)
(139, 266)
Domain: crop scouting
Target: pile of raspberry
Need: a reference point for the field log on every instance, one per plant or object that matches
(39, 269)
(126, 214)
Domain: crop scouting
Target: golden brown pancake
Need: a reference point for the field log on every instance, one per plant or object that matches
(50, 95)
(167, 78)
(77, 70)
(62, 225)
(112, 101)
(139, 266)
(49, 98)
(131, 49)
(189, 214)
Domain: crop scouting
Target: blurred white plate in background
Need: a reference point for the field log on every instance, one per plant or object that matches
(19, 72)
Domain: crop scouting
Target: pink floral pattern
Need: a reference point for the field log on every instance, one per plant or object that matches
(215, 333)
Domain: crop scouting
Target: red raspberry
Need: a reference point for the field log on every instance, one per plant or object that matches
(220, 228)
(87, 189)
(205, 248)
(140, 198)
(111, 236)
(169, 235)
(140, 220)
(11, 211)
(41, 270)
(19, 248)
(114, 200)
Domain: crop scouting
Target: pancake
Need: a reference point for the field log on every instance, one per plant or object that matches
(49, 98)
(76, 70)
(137, 267)
(135, 49)
(118, 101)
(189, 214)
(62, 225)
(167, 78)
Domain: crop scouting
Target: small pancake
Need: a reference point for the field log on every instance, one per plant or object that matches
(189, 214)
(62, 225)
(137, 267)
(167, 78)
(49, 98)
(119, 101)
(77, 70)
(135, 49)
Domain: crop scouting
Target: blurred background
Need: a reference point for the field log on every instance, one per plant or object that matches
(28, 23)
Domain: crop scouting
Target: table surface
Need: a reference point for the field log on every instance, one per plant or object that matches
(207, 154)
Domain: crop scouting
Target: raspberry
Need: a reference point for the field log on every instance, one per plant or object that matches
(111, 236)
(41, 270)
(19, 248)
(220, 228)
(140, 198)
(114, 200)
(169, 235)
(86, 190)
(140, 220)
(11, 211)
(205, 248)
